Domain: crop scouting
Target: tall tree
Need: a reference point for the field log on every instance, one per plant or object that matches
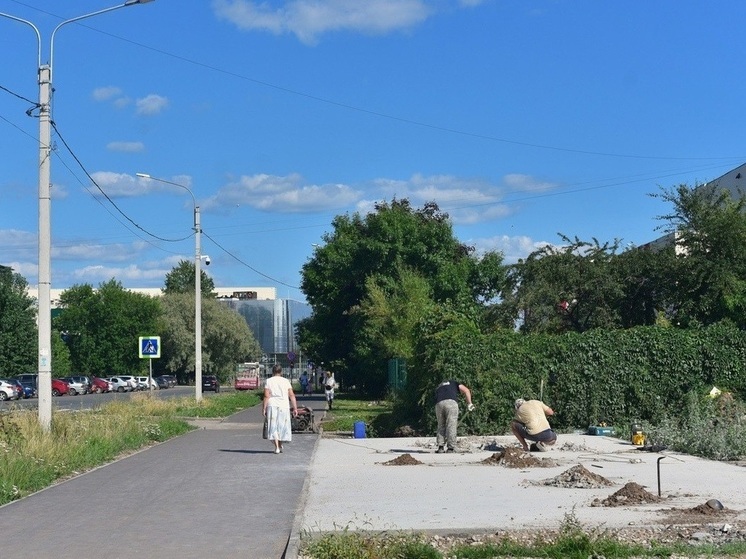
(569, 288)
(18, 334)
(181, 280)
(380, 246)
(710, 235)
(226, 338)
(101, 327)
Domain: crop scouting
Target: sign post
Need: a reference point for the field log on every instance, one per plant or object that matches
(150, 348)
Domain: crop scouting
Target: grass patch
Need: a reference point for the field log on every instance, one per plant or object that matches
(32, 459)
(572, 542)
(347, 410)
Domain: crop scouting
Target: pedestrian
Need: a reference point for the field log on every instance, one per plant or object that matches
(329, 385)
(303, 379)
(446, 411)
(278, 395)
(531, 424)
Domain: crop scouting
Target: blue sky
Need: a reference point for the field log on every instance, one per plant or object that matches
(521, 119)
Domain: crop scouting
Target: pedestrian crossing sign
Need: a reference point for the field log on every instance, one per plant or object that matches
(150, 347)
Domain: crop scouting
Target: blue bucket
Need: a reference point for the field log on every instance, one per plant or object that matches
(359, 431)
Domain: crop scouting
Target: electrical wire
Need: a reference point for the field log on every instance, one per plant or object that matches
(128, 218)
(371, 112)
(237, 259)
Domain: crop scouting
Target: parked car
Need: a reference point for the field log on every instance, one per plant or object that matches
(172, 380)
(118, 384)
(162, 382)
(147, 382)
(8, 390)
(32, 378)
(59, 387)
(22, 391)
(29, 386)
(210, 382)
(99, 385)
(85, 380)
(132, 381)
(76, 386)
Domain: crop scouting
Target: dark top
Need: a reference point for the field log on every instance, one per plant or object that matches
(447, 390)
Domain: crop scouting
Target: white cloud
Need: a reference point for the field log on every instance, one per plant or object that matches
(126, 147)
(527, 183)
(122, 185)
(151, 104)
(513, 248)
(466, 200)
(281, 194)
(308, 19)
(113, 252)
(126, 275)
(106, 93)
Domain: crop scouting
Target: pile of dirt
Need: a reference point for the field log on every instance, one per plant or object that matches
(710, 511)
(577, 477)
(516, 458)
(403, 460)
(630, 494)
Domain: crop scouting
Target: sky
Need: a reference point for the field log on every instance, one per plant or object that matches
(523, 120)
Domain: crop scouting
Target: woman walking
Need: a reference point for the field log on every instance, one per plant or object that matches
(278, 394)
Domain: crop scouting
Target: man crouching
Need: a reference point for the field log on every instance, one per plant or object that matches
(530, 424)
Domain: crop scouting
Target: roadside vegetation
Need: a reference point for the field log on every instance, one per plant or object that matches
(32, 458)
(572, 541)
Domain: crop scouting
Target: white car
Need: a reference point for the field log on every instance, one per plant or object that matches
(148, 382)
(8, 391)
(118, 384)
(132, 381)
(77, 386)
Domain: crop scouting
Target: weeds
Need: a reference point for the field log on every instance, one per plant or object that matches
(710, 428)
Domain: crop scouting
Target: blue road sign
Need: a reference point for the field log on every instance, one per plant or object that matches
(150, 347)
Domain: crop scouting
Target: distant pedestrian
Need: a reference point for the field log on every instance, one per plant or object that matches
(303, 379)
(329, 385)
(446, 411)
(278, 395)
(531, 424)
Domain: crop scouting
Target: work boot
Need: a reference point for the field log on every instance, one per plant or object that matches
(449, 449)
(440, 450)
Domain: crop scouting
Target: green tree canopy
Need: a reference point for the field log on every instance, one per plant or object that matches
(101, 327)
(181, 280)
(710, 236)
(570, 288)
(369, 258)
(226, 338)
(18, 333)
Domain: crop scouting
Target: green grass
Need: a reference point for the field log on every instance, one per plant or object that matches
(32, 458)
(347, 410)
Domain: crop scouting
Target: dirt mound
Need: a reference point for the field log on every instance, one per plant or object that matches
(577, 477)
(516, 458)
(403, 460)
(710, 511)
(630, 494)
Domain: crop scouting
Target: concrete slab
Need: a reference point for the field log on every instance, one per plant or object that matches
(351, 487)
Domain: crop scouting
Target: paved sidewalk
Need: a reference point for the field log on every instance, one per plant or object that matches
(217, 492)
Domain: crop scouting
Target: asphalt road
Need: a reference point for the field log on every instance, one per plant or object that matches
(88, 401)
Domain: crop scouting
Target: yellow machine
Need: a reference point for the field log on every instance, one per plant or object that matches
(638, 436)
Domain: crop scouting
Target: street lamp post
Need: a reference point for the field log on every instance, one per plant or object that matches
(197, 286)
(44, 388)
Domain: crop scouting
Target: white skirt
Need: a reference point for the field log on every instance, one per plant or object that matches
(278, 424)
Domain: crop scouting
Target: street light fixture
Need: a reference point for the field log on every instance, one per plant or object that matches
(44, 388)
(197, 286)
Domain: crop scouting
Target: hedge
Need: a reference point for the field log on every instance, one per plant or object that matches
(612, 376)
